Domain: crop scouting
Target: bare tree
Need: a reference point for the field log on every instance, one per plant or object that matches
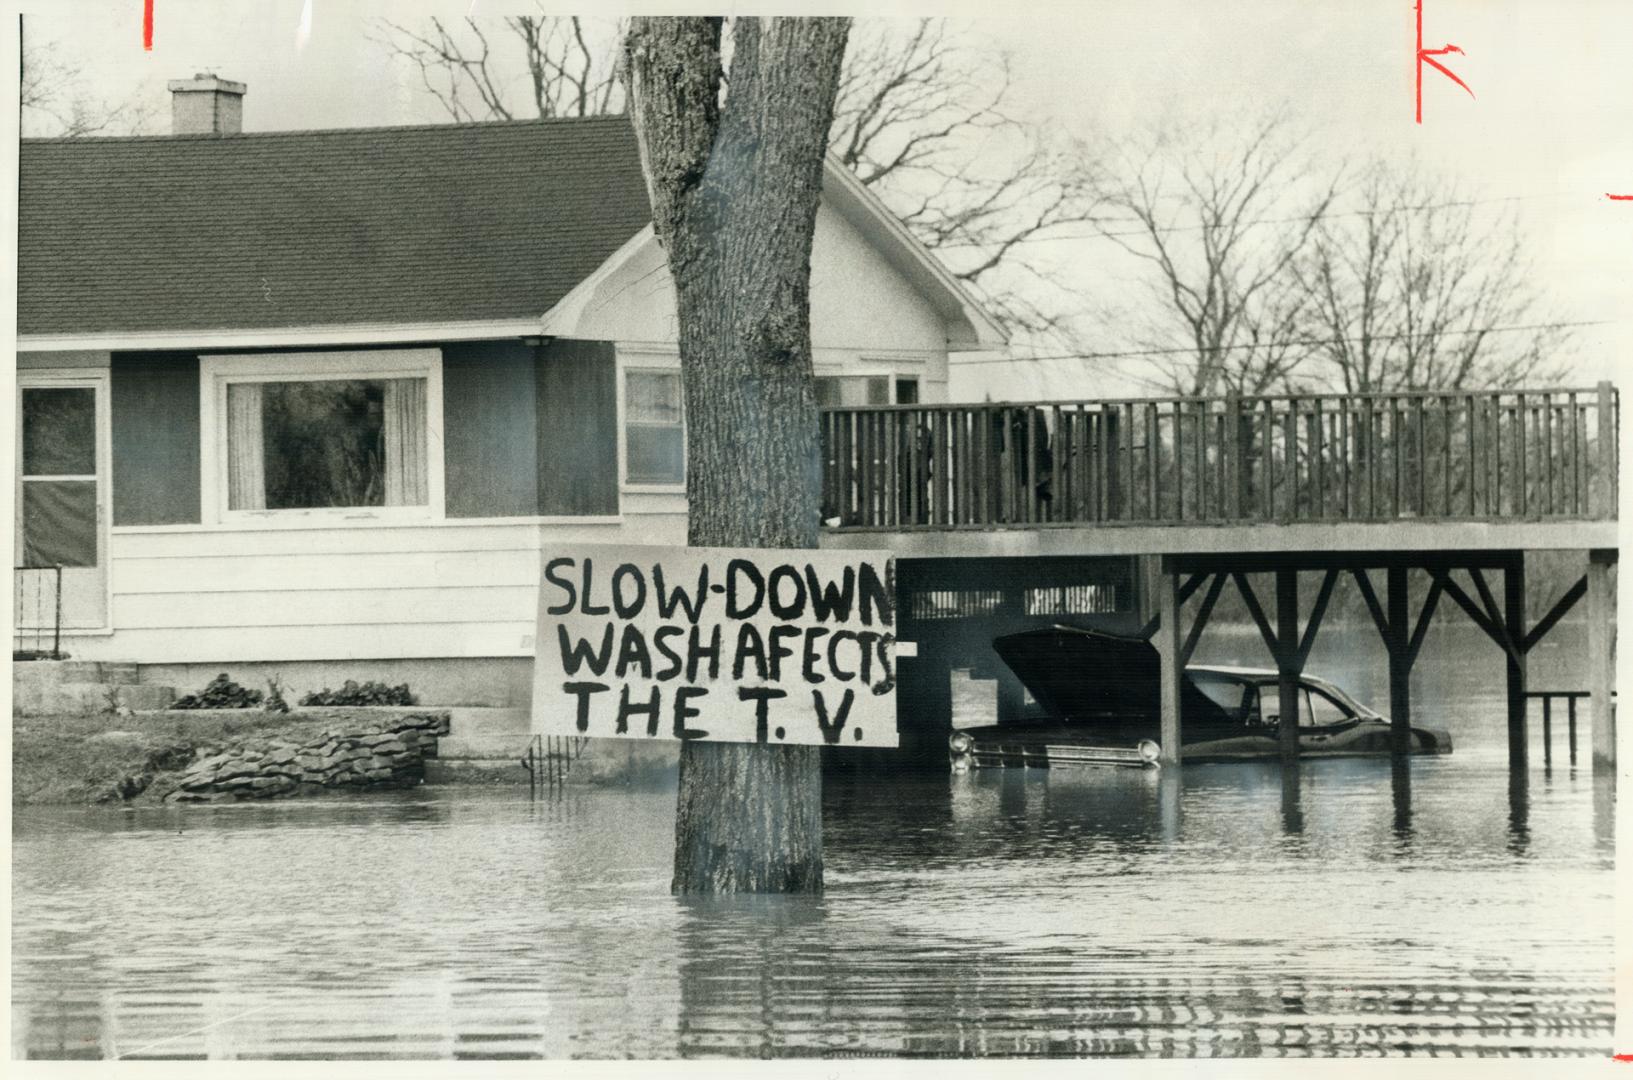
(735, 184)
(54, 102)
(1416, 289)
(920, 119)
(1219, 214)
(570, 68)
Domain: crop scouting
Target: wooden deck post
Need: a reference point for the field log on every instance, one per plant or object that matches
(1602, 655)
(1400, 662)
(1287, 653)
(1172, 666)
(1236, 489)
(1604, 480)
(1514, 621)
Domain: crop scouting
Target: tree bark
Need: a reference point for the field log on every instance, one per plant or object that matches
(734, 188)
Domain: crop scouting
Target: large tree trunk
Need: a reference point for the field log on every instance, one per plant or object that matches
(734, 190)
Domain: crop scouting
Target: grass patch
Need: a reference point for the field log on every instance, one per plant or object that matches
(77, 760)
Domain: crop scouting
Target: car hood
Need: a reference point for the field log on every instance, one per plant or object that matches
(1080, 674)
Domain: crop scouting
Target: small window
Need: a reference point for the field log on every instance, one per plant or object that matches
(844, 391)
(654, 428)
(907, 391)
(327, 443)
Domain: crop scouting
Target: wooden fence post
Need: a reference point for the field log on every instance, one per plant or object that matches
(1236, 496)
(1604, 481)
(1602, 655)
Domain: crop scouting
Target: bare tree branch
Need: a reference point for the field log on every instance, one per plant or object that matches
(53, 101)
(1222, 283)
(919, 118)
(1405, 292)
(565, 70)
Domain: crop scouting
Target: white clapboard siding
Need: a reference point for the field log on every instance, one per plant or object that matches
(312, 571)
(362, 538)
(327, 607)
(648, 504)
(292, 643)
(443, 589)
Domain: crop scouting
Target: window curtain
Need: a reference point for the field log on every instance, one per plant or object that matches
(405, 439)
(246, 465)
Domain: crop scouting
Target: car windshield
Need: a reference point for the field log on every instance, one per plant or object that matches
(1349, 704)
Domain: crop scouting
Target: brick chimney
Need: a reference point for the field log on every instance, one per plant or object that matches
(206, 105)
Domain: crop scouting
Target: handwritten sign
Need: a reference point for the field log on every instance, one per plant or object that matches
(769, 646)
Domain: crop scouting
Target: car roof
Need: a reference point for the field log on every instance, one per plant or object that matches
(1263, 674)
(1236, 672)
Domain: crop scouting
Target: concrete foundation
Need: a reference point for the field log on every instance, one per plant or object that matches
(494, 682)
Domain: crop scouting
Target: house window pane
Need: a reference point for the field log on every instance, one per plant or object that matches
(59, 431)
(59, 523)
(907, 391)
(326, 443)
(655, 448)
(850, 390)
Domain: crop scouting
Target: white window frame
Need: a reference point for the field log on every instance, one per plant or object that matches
(642, 361)
(868, 366)
(217, 372)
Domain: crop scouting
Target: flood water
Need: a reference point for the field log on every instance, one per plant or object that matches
(1225, 910)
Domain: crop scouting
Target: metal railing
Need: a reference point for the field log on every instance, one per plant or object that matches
(36, 612)
(1466, 455)
(549, 758)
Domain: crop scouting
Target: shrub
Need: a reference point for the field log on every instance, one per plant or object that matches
(221, 693)
(275, 695)
(369, 693)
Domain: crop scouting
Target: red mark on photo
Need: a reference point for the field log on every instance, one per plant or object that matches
(1426, 56)
(147, 25)
(1624, 1058)
(1619, 198)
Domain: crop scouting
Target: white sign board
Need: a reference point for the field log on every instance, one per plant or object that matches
(771, 646)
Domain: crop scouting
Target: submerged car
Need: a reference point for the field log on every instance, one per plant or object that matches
(1099, 694)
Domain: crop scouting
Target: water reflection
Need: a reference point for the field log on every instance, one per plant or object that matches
(753, 975)
(1519, 810)
(1604, 810)
(1400, 791)
(1341, 907)
(1292, 817)
(1170, 798)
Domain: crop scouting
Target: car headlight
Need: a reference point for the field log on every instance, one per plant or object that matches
(1149, 750)
(961, 742)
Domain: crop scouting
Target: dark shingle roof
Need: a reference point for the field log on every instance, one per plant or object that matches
(379, 225)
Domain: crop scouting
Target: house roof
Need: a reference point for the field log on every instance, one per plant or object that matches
(454, 222)
(167, 238)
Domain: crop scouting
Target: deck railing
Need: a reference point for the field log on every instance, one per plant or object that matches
(1467, 455)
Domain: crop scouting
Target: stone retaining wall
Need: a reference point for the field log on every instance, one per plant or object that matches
(383, 753)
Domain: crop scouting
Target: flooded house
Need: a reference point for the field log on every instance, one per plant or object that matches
(313, 402)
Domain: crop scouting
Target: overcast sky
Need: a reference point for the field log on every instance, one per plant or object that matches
(1550, 128)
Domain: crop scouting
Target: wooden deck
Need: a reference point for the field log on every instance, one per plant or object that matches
(1468, 469)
